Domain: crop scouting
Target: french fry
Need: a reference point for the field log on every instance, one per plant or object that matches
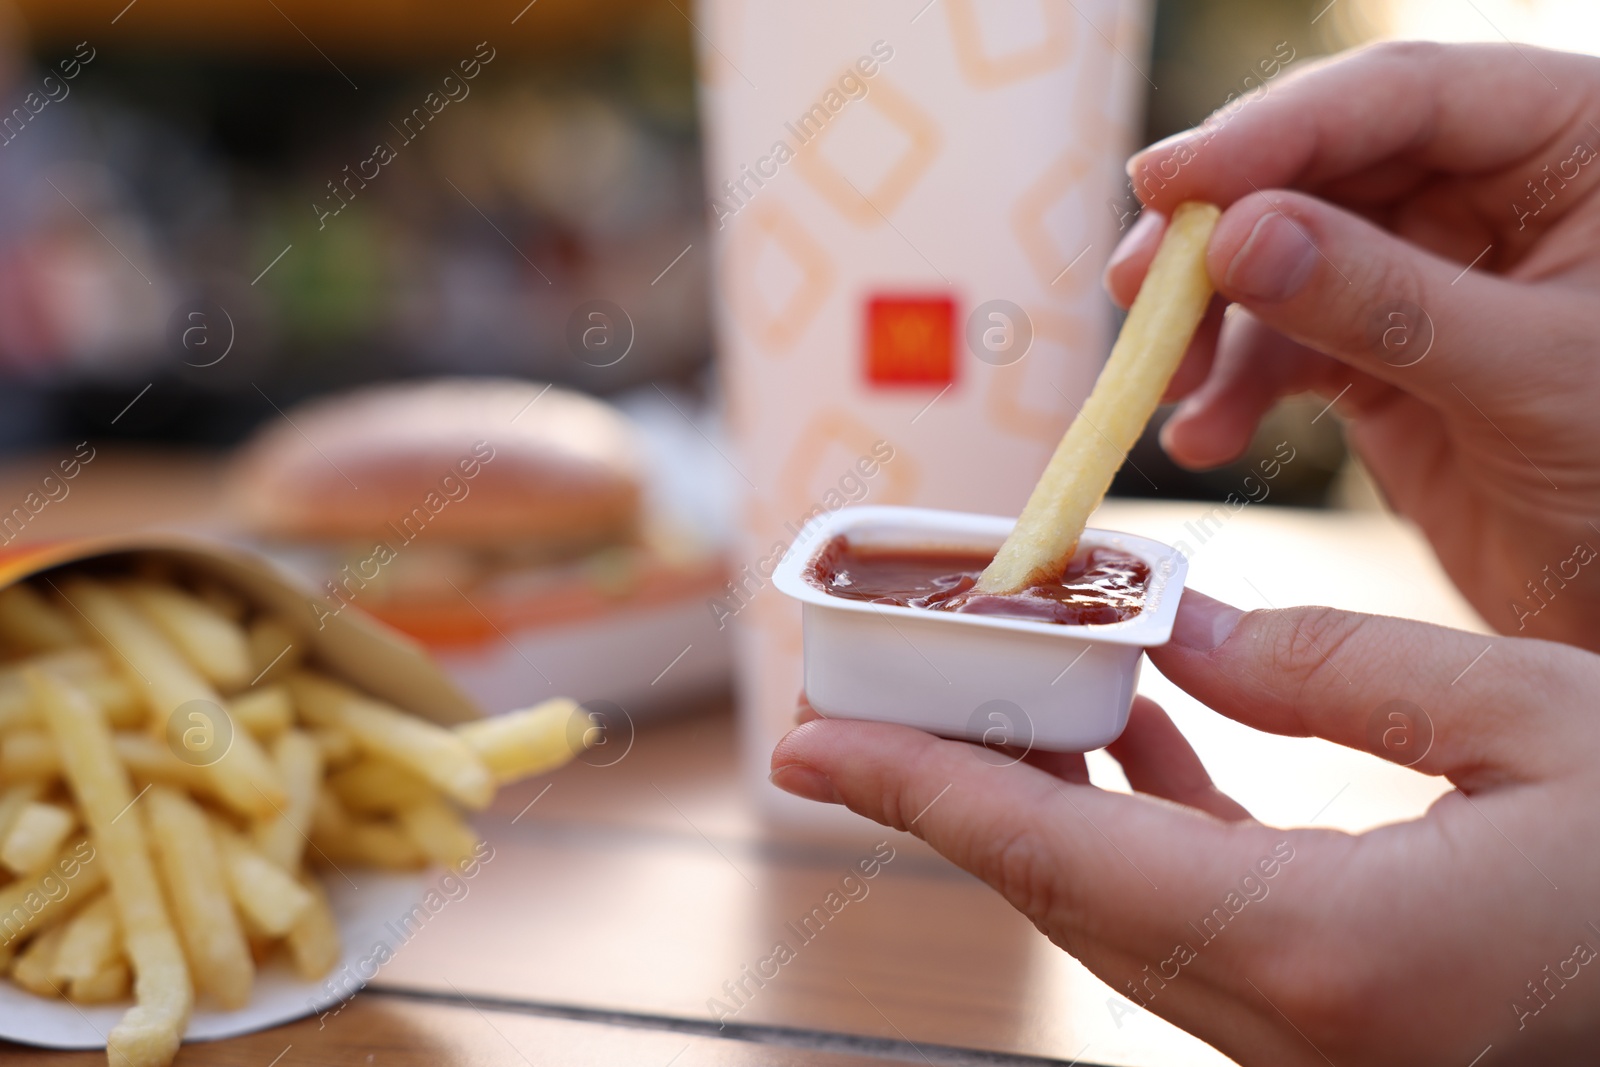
(377, 787)
(202, 906)
(276, 649)
(13, 799)
(148, 1035)
(429, 750)
(16, 705)
(523, 743)
(438, 832)
(150, 760)
(84, 667)
(371, 843)
(49, 898)
(242, 776)
(28, 755)
(213, 644)
(105, 986)
(313, 940)
(33, 967)
(282, 839)
(265, 711)
(148, 659)
(266, 895)
(32, 757)
(90, 941)
(31, 622)
(245, 779)
(36, 836)
(1154, 337)
(121, 704)
(339, 749)
(339, 837)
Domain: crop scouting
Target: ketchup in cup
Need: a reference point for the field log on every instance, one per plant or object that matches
(1098, 586)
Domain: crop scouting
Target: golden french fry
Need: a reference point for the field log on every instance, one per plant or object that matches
(265, 711)
(202, 906)
(150, 760)
(266, 894)
(313, 940)
(31, 622)
(212, 643)
(49, 898)
(282, 839)
(276, 649)
(91, 940)
(339, 749)
(339, 837)
(523, 743)
(13, 798)
(427, 749)
(440, 834)
(33, 967)
(121, 704)
(147, 658)
(31, 756)
(16, 705)
(105, 986)
(245, 779)
(184, 704)
(329, 816)
(86, 668)
(28, 755)
(373, 843)
(1154, 337)
(148, 1035)
(36, 836)
(377, 787)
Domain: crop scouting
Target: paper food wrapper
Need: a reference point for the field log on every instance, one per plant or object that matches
(373, 908)
(883, 181)
(366, 913)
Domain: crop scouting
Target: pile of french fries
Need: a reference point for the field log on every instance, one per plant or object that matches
(172, 771)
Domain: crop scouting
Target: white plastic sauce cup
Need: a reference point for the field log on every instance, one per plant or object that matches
(983, 678)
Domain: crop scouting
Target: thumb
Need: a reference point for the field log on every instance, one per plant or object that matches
(1481, 710)
(1338, 284)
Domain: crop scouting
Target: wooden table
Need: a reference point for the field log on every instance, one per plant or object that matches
(620, 902)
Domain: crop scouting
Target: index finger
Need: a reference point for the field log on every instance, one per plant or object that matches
(1417, 106)
(1409, 692)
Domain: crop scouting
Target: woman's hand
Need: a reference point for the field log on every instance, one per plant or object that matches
(1358, 193)
(1420, 943)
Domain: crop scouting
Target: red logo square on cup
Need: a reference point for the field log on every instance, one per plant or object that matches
(910, 340)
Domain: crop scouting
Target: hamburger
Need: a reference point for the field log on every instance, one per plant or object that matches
(477, 514)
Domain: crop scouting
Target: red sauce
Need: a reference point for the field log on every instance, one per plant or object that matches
(1099, 586)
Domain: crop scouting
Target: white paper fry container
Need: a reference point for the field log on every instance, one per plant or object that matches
(374, 909)
(910, 205)
(983, 678)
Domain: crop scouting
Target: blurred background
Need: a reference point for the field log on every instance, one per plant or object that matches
(179, 199)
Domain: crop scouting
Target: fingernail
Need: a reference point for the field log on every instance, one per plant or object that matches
(1274, 263)
(1140, 160)
(1203, 623)
(1139, 237)
(805, 782)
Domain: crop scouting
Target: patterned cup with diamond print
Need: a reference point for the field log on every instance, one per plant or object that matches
(876, 173)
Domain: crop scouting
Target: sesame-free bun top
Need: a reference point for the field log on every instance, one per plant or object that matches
(493, 463)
